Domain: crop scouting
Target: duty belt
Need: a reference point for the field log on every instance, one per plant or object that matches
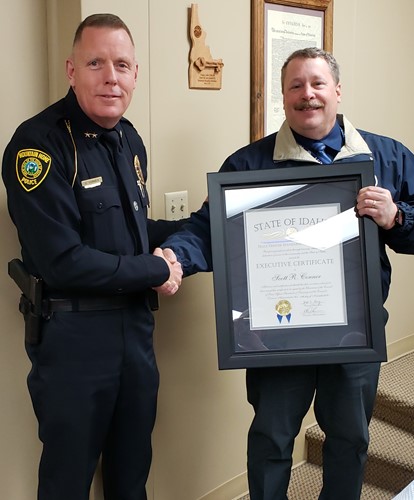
(81, 304)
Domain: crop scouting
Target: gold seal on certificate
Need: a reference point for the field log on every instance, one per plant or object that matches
(283, 308)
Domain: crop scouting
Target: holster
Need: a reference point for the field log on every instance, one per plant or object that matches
(30, 304)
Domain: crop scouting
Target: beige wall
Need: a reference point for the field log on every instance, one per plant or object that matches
(25, 92)
(203, 415)
(372, 42)
(199, 441)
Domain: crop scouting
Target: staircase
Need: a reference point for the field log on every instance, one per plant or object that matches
(390, 465)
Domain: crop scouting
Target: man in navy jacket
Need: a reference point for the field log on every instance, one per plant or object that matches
(344, 393)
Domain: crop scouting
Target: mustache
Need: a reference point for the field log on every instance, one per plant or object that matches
(315, 104)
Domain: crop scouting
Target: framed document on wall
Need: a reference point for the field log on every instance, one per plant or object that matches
(278, 28)
(297, 278)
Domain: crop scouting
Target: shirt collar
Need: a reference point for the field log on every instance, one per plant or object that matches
(81, 124)
(334, 140)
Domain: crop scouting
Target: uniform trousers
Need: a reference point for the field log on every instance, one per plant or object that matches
(93, 385)
(344, 400)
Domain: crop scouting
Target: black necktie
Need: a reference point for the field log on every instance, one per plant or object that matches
(113, 140)
(126, 175)
(319, 149)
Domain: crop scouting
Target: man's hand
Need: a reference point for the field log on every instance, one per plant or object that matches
(171, 286)
(377, 203)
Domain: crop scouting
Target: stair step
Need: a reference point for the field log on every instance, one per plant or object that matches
(306, 484)
(390, 462)
(390, 465)
(390, 456)
(395, 400)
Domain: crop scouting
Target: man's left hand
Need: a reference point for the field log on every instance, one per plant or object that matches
(377, 203)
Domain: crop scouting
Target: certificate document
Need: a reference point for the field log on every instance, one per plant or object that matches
(291, 282)
(287, 29)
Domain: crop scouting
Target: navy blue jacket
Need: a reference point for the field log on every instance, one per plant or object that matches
(394, 170)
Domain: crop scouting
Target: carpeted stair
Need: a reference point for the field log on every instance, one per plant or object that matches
(390, 465)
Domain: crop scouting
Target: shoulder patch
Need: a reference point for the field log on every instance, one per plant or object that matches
(32, 166)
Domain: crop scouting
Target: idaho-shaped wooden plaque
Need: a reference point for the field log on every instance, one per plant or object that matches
(204, 72)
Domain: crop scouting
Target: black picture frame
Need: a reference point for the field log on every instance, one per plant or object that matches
(245, 342)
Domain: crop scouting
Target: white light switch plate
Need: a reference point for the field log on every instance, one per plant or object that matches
(176, 205)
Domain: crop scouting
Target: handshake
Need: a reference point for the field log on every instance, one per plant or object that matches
(171, 286)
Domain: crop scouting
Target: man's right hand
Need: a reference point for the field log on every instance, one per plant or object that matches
(171, 286)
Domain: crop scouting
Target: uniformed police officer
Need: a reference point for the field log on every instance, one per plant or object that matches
(75, 177)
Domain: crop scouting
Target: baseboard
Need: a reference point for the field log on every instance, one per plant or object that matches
(231, 490)
(400, 347)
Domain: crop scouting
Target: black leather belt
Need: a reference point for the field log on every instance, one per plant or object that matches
(80, 304)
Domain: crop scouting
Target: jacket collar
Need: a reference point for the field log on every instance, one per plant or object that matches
(286, 147)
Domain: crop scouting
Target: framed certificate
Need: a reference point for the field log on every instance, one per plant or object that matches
(297, 278)
(278, 28)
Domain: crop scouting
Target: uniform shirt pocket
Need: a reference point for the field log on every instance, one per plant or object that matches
(103, 223)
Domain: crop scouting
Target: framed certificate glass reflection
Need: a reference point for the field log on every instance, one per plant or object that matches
(297, 278)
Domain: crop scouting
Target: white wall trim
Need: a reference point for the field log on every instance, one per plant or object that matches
(232, 489)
